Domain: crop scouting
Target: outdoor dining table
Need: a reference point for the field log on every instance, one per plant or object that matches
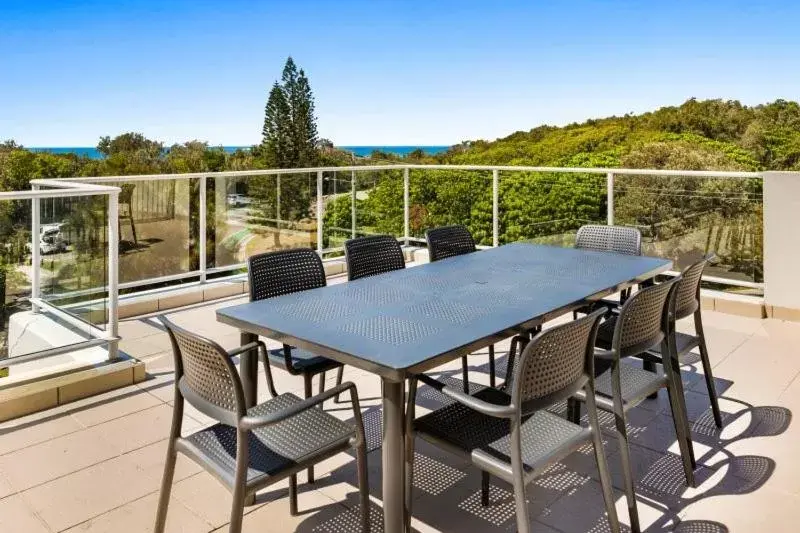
(410, 321)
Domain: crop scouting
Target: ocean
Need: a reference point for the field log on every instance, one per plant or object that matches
(360, 151)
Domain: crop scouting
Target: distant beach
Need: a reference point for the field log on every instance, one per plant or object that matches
(360, 151)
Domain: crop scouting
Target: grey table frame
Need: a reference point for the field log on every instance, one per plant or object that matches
(393, 377)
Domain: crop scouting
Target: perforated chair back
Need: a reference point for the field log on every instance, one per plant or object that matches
(206, 376)
(449, 241)
(376, 254)
(643, 320)
(619, 239)
(687, 297)
(283, 272)
(556, 364)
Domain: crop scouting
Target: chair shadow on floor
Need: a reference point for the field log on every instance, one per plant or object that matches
(567, 498)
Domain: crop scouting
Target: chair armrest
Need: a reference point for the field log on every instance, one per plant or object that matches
(252, 422)
(607, 355)
(486, 408)
(247, 347)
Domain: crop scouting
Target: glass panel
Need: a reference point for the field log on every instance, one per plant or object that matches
(74, 252)
(379, 202)
(549, 207)
(66, 280)
(255, 214)
(446, 197)
(158, 228)
(685, 218)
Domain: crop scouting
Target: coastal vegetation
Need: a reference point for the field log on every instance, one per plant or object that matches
(679, 216)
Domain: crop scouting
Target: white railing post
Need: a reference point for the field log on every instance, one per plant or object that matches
(495, 207)
(610, 197)
(353, 204)
(112, 326)
(319, 212)
(278, 201)
(406, 225)
(36, 260)
(203, 228)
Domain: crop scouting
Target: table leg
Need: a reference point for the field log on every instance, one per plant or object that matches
(393, 456)
(248, 368)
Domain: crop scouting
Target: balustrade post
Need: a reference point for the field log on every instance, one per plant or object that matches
(203, 235)
(610, 197)
(319, 212)
(36, 260)
(495, 207)
(112, 325)
(406, 226)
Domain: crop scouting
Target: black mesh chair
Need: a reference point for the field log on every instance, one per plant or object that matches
(369, 256)
(450, 241)
(282, 272)
(687, 303)
(642, 323)
(249, 449)
(617, 239)
(511, 434)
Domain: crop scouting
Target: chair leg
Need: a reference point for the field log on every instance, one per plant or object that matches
(627, 471)
(409, 476)
(605, 480)
(293, 495)
(677, 403)
(492, 372)
(684, 442)
(321, 384)
(485, 479)
(363, 486)
(239, 484)
(339, 379)
(166, 487)
(465, 373)
(308, 394)
(521, 504)
(650, 366)
(573, 411)
(712, 390)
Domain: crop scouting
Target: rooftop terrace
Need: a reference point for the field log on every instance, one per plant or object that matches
(95, 465)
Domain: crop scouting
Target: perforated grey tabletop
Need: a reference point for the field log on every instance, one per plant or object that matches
(414, 319)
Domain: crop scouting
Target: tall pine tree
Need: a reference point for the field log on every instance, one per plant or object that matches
(290, 129)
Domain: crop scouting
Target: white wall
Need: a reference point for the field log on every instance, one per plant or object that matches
(782, 239)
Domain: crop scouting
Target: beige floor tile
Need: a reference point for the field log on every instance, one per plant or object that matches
(17, 516)
(139, 516)
(34, 429)
(5, 486)
(146, 346)
(208, 498)
(49, 460)
(111, 405)
(83, 495)
(760, 369)
(137, 328)
(141, 428)
(315, 509)
(763, 510)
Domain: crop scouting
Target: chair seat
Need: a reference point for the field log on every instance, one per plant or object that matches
(485, 439)
(303, 361)
(274, 449)
(636, 385)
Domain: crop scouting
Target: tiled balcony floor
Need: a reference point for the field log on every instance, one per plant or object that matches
(95, 465)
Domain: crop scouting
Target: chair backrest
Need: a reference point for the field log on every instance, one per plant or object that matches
(619, 239)
(643, 319)
(206, 376)
(687, 297)
(376, 254)
(556, 364)
(449, 241)
(283, 272)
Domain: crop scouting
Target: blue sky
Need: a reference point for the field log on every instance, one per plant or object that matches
(383, 72)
